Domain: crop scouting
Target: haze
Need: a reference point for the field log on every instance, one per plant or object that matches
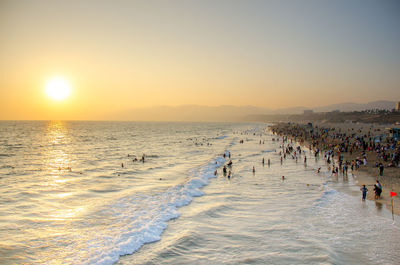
(119, 56)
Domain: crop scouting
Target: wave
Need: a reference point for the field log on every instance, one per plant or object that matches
(141, 219)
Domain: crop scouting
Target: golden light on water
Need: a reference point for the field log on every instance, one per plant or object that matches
(58, 154)
(58, 88)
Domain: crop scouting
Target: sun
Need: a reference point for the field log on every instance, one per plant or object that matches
(58, 88)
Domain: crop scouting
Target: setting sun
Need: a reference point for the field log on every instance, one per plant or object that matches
(58, 88)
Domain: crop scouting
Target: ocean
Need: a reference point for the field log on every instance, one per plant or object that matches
(77, 192)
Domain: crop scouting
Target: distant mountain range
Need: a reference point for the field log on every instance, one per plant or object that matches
(232, 113)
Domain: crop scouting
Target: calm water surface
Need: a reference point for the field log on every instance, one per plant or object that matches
(66, 199)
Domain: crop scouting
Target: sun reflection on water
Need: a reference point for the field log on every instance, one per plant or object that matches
(57, 189)
(58, 156)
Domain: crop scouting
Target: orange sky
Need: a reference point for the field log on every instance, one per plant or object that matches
(122, 55)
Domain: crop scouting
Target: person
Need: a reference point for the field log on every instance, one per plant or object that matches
(378, 184)
(254, 170)
(364, 192)
(377, 191)
(230, 163)
(224, 170)
(229, 174)
(319, 170)
(269, 162)
(215, 172)
(381, 167)
(263, 161)
(283, 177)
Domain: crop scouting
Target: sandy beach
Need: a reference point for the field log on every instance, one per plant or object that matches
(365, 174)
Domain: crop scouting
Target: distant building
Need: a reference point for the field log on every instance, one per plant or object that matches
(398, 106)
(335, 111)
(308, 111)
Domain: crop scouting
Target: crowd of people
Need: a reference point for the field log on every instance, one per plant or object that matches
(357, 145)
(351, 148)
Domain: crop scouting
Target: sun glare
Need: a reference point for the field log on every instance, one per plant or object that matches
(58, 88)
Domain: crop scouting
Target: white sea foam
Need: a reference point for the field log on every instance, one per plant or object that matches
(144, 218)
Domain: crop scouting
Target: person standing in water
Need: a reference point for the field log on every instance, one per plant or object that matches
(364, 192)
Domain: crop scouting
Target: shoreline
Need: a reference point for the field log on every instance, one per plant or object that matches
(365, 174)
(362, 177)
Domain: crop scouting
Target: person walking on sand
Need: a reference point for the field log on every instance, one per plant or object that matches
(364, 192)
(381, 167)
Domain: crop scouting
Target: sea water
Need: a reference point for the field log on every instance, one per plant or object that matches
(77, 193)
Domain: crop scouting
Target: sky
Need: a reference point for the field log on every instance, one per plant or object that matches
(119, 55)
